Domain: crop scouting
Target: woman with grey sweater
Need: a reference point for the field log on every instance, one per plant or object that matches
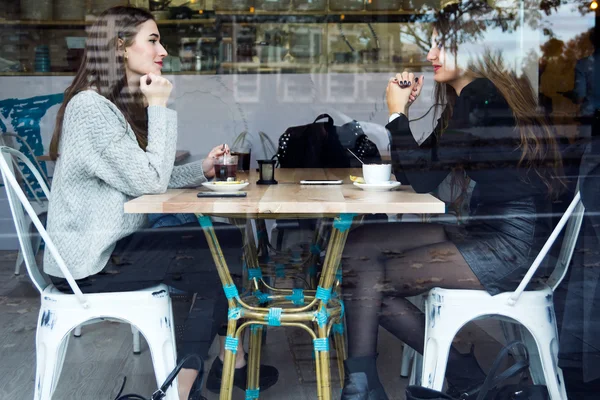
(115, 140)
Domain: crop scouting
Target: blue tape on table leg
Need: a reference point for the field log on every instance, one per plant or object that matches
(321, 344)
(338, 328)
(252, 394)
(254, 273)
(235, 313)
(280, 270)
(323, 294)
(231, 344)
(315, 249)
(343, 310)
(322, 316)
(205, 221)
(297, 297)
(312, 270)
(262, 297)
(230, 291)
(338, 274)
(343, 222)
(274, 317)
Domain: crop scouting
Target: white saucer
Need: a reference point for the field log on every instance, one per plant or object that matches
(378, 187)
(225, 188)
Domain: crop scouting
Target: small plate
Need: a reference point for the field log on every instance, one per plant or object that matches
(378, 187)
(225, 187)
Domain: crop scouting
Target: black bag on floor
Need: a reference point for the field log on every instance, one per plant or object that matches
(489, 390)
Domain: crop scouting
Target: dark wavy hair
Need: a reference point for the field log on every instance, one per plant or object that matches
(103, 68)
(539, 148)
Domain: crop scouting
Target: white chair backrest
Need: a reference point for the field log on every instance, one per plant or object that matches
(22, 178)
(574, 216)
(18, 204)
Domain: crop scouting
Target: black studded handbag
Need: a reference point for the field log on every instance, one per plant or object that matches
(352, 137)
(323, 145)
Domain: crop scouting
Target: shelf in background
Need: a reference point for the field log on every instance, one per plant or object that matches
(376, 67)
(207, 72)
(90, 22)
(274, 65)
(318, 13)
(46, 23)
(207, 21)
(37, 73)
(330, 67)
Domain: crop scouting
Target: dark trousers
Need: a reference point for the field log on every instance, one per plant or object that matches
(180, 258)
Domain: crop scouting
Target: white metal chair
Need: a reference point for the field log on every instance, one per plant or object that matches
(148, 311)
(448, 310)
(39, 203)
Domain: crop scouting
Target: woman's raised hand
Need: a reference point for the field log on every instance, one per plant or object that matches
(402, 90)
(156, 89)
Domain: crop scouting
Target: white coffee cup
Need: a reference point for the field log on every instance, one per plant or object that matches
(377, 173)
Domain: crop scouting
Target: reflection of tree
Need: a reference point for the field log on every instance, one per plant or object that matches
(473, 18)
(419, 33)
(557, 68)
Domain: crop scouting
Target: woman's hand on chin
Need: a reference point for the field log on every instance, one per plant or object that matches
(156, 89)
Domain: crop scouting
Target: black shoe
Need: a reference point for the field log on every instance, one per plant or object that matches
(196, 390)
(465, 376)
(356, 387)
(268, 377)
(366, 365)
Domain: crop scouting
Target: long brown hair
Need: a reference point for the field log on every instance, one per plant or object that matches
(539, 149)
(103, 68)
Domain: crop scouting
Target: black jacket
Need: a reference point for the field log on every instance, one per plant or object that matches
(481, 137)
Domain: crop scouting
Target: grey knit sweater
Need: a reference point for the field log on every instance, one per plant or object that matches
(101, 166)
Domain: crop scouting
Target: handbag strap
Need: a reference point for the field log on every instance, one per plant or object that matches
(161, 392)
(329, 119)
(491, 381)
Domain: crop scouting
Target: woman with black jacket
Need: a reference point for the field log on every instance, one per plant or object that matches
(489, 132)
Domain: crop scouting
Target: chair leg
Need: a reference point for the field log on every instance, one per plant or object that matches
(435, 358)
(77, 331)
(543, 358)
(407, 355)
(340, 352)
(536, 370)
(323, 374)
(228, 365)
(19, 263)
(417, 368)
(136, 340)
(163, 359)
(50, 354)
(255, 347)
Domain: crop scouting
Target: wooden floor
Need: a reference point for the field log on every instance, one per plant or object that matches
(97, 362)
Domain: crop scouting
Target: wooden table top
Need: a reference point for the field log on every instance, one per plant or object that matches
(290, 199)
